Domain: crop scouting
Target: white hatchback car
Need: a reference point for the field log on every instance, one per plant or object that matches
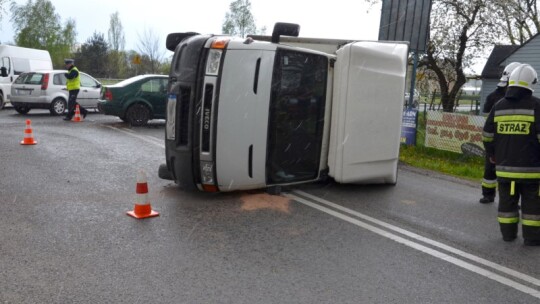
(47, 90)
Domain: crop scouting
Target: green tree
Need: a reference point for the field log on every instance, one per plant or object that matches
(2, 9)
(520, 19)
(38, 26)
(239, 21)
(462, 31)
(151, 49)
(93, 56)
(117, 41)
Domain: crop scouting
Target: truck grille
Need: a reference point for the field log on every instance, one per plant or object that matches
(183, 136)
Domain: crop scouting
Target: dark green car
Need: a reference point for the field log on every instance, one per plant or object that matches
(135, 100)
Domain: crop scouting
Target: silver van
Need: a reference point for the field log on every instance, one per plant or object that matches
(46, 89)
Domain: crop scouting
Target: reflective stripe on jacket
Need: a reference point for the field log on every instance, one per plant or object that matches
(512, 136)
(73, 81)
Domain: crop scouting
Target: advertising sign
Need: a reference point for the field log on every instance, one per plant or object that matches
(408, 126)
(458, 133)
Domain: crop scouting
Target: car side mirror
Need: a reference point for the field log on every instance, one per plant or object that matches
(3, 72)
(98, 85)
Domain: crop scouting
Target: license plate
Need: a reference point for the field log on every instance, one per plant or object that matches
(23, 92)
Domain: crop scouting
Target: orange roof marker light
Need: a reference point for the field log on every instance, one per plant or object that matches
(220, 43)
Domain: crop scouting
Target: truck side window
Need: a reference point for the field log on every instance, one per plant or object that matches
(6, 65)
(297, 105)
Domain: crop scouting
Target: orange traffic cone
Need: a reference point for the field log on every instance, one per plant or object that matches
(28, 137)
(142, 208)
(77, 117)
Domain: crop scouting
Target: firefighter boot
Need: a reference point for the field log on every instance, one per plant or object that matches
(486, 199)
(528, 242)
(509, 231)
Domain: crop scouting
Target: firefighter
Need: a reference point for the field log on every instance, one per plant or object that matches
(489, 181)
(512, 140)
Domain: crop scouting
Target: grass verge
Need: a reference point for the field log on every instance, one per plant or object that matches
(458, 165)
(451, 163)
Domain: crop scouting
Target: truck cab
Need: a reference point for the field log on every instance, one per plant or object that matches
(247, 114)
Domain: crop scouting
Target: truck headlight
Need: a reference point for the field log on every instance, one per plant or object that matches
(207, 172)
(171, 117)
(213, 62)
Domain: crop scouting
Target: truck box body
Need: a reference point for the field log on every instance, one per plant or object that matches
(366, 112)
(17, 60)
(247, 114)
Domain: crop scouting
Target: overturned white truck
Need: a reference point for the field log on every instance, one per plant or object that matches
(245, 113)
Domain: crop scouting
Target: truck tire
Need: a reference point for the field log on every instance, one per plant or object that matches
(22, 109)
(2, 103)
(58, 106)
(138, 115)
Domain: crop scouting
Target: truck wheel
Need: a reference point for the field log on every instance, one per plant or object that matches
(58, 106)
(138, 115)
(2, 103)
(164, 173)
(22, 110)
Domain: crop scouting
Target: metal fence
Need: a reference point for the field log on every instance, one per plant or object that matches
(456, 132)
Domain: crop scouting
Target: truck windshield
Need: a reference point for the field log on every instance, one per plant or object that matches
(296, 124)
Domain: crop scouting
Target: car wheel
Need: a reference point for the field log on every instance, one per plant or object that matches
(22, 110)
(58, 106)
(138, 115)
(2, 103)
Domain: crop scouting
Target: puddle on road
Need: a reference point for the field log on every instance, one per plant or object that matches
(251, 202)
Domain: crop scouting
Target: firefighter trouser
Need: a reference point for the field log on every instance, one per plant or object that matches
(509, 196)
(489, 182)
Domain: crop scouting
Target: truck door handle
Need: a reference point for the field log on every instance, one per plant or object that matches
(250, 162)
(256, 78)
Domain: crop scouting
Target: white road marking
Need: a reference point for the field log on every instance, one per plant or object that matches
(435, 253)
(438, 254)
(148, 139)
(415, 236)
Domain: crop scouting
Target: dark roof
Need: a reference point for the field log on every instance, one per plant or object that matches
(492, 69)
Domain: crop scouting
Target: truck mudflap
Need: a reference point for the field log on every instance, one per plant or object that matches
(369, 86)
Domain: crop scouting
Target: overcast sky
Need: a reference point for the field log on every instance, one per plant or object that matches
(322, 19)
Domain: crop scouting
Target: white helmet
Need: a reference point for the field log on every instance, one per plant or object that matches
(523, 76)
(506, 73)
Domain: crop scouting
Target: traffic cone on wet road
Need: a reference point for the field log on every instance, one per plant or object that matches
(77, 117)
(142, 208)
(28, 136)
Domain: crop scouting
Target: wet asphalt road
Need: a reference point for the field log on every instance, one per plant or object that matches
(65, 237)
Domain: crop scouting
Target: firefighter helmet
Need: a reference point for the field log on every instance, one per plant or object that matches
(506, 73)
(523, 76)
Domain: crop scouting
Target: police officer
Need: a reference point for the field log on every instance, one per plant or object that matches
(73, 84)
(489, 181)
(512, 141)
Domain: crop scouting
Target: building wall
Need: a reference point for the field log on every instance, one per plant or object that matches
(488, 86)
(528, 53)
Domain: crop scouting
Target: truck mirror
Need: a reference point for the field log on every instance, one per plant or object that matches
(174, 39)
(285, 29)
(3, 72)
